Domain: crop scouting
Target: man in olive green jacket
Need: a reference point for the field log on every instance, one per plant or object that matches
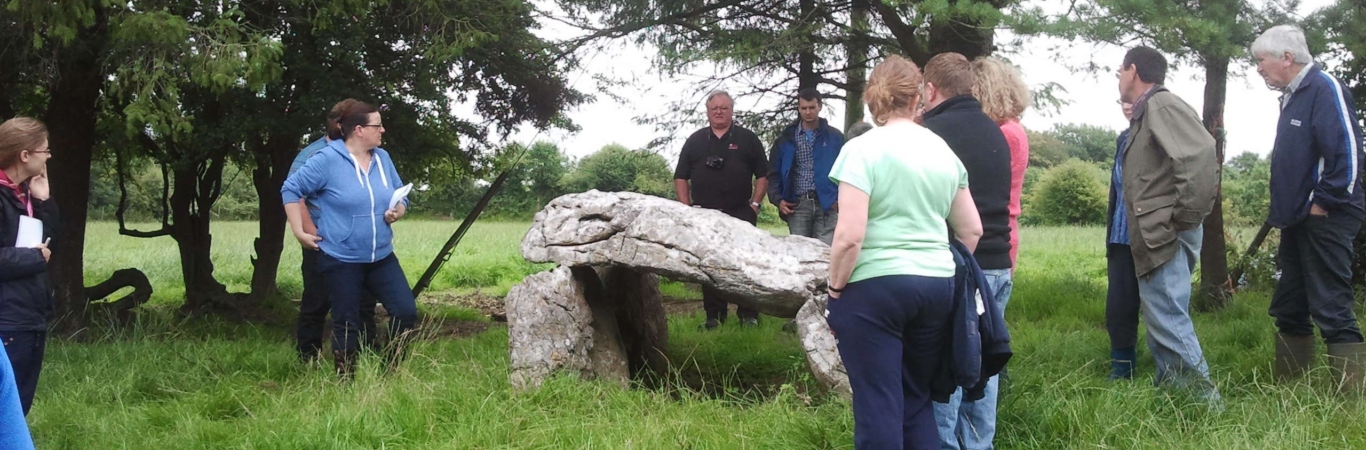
(1168, 181)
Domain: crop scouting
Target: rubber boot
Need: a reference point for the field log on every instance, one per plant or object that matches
(1346, 360)
(345, 363)
(1294, 355)
(1122, 363)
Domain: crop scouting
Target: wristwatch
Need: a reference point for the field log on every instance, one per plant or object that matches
(754, 204)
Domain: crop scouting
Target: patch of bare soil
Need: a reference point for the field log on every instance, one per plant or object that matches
(491, 306)
(681, 306)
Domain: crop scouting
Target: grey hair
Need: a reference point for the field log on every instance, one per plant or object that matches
(1282, 39)
(857, 129)
(718, 93)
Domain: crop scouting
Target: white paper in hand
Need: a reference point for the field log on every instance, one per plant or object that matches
(399, 194)
(30, 233)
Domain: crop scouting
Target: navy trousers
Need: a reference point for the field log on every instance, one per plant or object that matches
(1315, 259)
(25, 351)
(1121, 299)
(314, 306)
(383, 279)
(890, 332)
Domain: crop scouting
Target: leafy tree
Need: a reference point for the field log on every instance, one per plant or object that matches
(615, 168)
(1045, 149)
(766, 51)
(1087, 142)
(1069, 194)
(1246, 195)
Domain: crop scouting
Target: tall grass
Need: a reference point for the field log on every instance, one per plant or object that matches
(196, 383)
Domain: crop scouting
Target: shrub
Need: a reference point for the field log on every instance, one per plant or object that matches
(1069, 194)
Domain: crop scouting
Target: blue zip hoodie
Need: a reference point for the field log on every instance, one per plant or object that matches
(300, 159)
(352, 201)
(1317, 157)
(783, 161)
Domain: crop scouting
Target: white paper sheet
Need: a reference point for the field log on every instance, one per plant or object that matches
(399, 194)
(30, 232)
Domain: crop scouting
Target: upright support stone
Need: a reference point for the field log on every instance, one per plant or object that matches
(641, 318)
(551, 328)
(819, 342)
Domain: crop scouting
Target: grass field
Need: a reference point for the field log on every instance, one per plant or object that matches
(172, 383)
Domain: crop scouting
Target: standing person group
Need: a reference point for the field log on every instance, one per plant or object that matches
(351, 181)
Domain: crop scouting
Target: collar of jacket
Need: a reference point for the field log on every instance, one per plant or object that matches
(1298, 82)
(965, 101)
(1141, 106)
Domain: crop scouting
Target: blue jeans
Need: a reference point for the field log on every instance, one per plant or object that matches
(384, 280)
(808, 219)
(1165, 294)
(890, 332)
(972, 425)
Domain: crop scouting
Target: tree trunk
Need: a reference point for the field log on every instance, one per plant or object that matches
(272, 166)
(70, 118)
(190, 204)
(960, 35)
(857, 75)
(1215, 286)
(806, 59)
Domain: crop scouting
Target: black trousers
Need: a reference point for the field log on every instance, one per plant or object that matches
(1315, 259)
(315, 305)
(25, 350)
(712, 301)
(1121, 299)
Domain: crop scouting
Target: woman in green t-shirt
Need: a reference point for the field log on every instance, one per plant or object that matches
(891, 271)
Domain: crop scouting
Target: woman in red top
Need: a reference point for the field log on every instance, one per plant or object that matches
(1004, 98)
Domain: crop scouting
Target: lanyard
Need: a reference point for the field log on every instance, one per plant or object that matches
(23, 198)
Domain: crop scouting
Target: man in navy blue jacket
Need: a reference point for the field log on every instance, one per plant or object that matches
(799, 180)
(1317, 202)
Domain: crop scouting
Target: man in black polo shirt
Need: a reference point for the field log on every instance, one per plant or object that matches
(727, 167)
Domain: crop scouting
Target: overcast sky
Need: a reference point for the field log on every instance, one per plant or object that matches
(1250, 111)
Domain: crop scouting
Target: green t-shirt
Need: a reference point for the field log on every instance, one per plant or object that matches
(911, 177)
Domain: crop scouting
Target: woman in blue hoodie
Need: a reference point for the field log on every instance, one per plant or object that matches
(352, 180)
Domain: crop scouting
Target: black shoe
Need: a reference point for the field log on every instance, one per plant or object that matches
(711, 324)
(345, 363)
(749, 322)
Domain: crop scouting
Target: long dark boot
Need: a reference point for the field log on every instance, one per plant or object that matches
(1294, 355)
(1347, 360)
(346, 364)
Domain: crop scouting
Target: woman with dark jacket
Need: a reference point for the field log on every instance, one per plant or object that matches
(352, 181)
(25, 292)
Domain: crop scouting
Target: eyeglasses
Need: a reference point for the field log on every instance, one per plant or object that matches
(380, 126)
(719, 109)
(43, 151)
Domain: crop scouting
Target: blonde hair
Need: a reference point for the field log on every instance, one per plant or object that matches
(18, 135)
(893, 88)
(998, 86)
